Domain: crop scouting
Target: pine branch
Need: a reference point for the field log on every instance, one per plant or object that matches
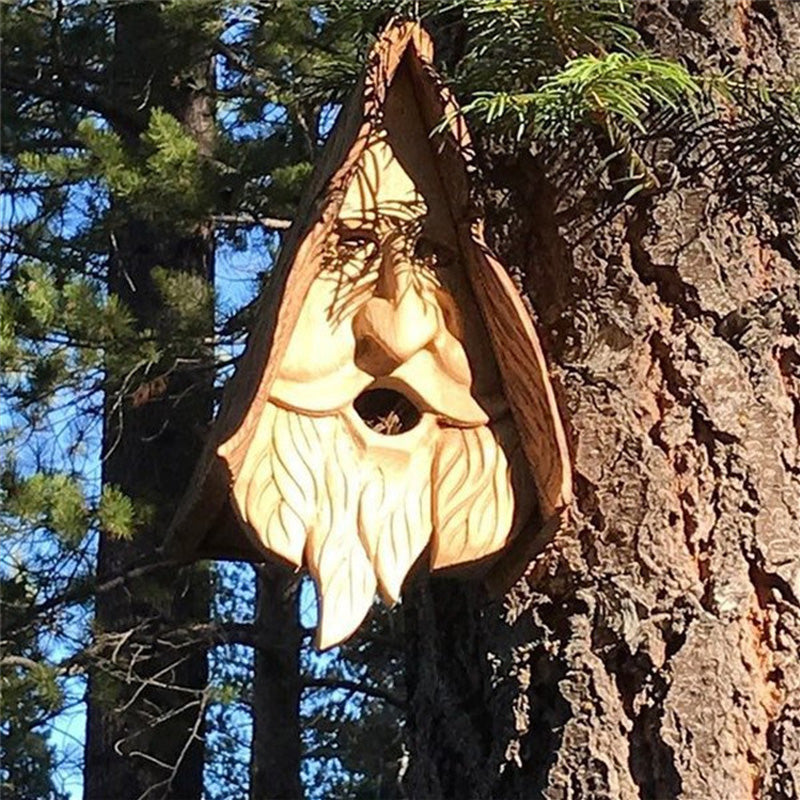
(83, 590)
(59, 92)
(245, 220)
(356, 686)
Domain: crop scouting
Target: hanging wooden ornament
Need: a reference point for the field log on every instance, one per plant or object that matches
(393, 399)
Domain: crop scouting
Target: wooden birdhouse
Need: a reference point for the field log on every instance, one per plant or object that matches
(393, 399)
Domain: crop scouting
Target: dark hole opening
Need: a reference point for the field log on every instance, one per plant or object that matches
(386, 411)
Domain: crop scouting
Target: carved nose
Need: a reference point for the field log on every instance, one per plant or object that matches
(397, 322)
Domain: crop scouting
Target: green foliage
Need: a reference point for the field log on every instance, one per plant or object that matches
(617, 89)
(29, 694)
(545, 70)
(59, 331)
(83, 155)
(188, 303)
(37, 679)
(58, 502)
(116, 515)
(53, 501)
(26, 691)
(286, 184)
(165, 180)
(510, 46)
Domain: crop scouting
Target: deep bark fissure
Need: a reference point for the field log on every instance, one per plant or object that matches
(672, 290)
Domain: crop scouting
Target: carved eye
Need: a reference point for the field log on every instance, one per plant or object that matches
(358, 244)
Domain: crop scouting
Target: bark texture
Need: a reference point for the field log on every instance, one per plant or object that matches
(652, 651)
(277, 744)
(146, 699)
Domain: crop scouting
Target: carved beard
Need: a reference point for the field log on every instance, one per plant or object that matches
(362, 511)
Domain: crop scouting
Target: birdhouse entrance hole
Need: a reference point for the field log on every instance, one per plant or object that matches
(386, 411)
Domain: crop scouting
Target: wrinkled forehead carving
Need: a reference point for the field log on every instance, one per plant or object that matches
(380, 188)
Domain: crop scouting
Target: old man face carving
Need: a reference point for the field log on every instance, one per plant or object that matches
(386, 427)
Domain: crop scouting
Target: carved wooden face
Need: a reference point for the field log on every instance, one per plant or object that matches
(386, 427)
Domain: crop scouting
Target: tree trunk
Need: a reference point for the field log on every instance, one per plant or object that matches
(276, 751)
(147, 699)
(652, 650)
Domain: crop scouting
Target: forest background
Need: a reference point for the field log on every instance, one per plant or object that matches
(153, 154)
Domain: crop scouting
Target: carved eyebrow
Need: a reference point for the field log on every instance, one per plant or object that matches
(396, 212)
(347, 224)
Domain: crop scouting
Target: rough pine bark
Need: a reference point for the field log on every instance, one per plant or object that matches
(653, 649)
(146, 698)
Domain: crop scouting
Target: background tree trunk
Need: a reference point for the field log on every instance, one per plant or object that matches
(277, 747)
(146, 740)
(652, 650)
